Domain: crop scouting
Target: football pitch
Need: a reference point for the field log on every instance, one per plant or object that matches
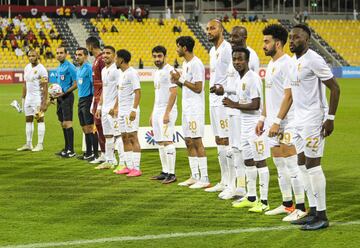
(46, 201)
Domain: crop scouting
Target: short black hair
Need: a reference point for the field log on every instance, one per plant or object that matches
(110, 48)
(303, 27)
(277, 31)
(242, 50)
(186, 41)
(124, 54)
(61, 46)
(85, 51)
(93, 41)
(159, 49)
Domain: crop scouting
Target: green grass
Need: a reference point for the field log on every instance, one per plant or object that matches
(47, 199)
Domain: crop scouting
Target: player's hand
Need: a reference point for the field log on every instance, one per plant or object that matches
(274, 130)
(327, 128)
(219, 90)
(43, 107)
(132, 116)
(166, 119)
(98, 114)
(175, 75)
(228, 103)
(212, 89)
(259, 129)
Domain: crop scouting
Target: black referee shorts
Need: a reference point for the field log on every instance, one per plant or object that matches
(65, 106)
(85, 116)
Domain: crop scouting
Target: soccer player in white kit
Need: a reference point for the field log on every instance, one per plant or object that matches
(282, 147)
(220, 58)
(255, 149)
(34, 98)
(127, 103)
(105, 109)
(164, 114)
(192, 81)
(308, 80)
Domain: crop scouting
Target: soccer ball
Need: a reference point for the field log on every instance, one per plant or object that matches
(54, 90)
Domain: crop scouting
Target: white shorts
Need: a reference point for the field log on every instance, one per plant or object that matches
(235, 131)
(253, 146)
(193, 126)
(163, 132)
(127, 126)
(107, 122)
(30, 109)
(117, 127)
(309, 140)
(285, 136)
(219, 121)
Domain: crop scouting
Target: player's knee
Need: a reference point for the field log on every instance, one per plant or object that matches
(301, 158)
(261, 164)
(312, 162)
(188, 143)
(249, 162)
(29, 118)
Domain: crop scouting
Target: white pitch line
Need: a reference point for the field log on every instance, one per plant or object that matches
(168, 236)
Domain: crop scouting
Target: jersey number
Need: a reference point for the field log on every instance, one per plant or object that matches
(192, 125)
(312, 143)
(259, 146)
(224, 124)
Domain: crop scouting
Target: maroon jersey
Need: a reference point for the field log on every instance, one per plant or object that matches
(98, 65)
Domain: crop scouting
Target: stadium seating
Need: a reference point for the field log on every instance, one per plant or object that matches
(255, 36)
(10, 60)
(140, 38)
(341, 35)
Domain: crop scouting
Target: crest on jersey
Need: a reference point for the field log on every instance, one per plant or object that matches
(62, 77)
(243, 86)
(80, 80)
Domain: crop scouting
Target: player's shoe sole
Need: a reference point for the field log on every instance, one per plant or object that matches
(161, 176)
(244, 204)
(188, 182)
(24, 148)
(217, 188)
(169, 179)
(281, 210)
(38, 148)
(200, 185)
(315, 225)
(295, 215)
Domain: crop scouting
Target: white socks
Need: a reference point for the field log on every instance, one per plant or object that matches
(129, 159)
(109, 149)
(136, 157)
(29, 129)
(318, 185)
(251, 175)
(307, 186)
(283, 178)
(194, 167)
(203, 169)
(296, 182)
(170, 157)
(264, 178)
(120, 148)
(41, 132)
(239, 171)
(163, 159)
(231, 170)
(223, 163)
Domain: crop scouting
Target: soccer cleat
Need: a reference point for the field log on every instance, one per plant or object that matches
(123, 171)
(38, 148)
(316, 224)
(134, 173)
(295, 215)
(188, 182)
(69, 154)
(199, 185)
(161, 176)
(61, 153)
(245, 204)
(227, 194)
(259, 208)
(99, 160)
(119, 168)
(303, 221)
(217, 188)
(25, 147)
(170, 178)
(281, 210)
(240, 199)
(105, 166)
(85, 157)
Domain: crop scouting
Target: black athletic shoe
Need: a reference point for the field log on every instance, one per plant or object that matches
(169, 179)
(85, 157)
(161, 176)
(61, 153)
(303, 221)
(314, 225)
(69, 154)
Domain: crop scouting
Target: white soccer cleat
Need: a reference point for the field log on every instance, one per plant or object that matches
(280, 210)
(25, 147)
(218, 187)
(200, 185)
(38, 148)
(99, 160)
(106, 165)
(188, 182)
(295, 215)
(227, 194)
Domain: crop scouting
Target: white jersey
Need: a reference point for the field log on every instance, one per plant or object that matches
(128, 83)
(32, 76)
(232, 78)
(276, 81)
(193, 103)
(162, 85)
(109, 76)
(309, 93)
(220, 60)
(249, 87)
